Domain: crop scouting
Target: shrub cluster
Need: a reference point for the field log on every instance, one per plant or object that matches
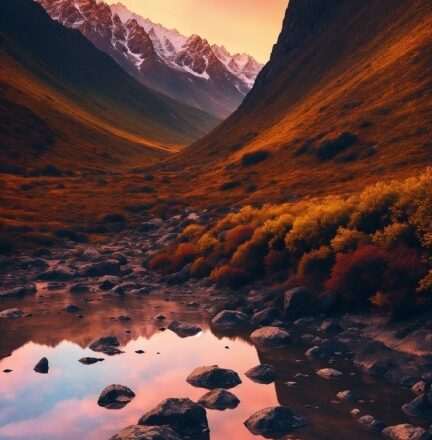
(370, 250)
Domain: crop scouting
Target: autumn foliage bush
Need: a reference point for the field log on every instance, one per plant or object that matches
(372, 249)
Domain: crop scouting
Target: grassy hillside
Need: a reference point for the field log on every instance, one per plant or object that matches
(64, 102)
(345, 101)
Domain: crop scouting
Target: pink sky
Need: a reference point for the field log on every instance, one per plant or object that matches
(250, 26)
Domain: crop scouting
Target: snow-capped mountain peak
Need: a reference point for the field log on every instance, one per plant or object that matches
(162, 58)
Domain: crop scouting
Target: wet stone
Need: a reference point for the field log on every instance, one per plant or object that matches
(90, 360)
(272, 336)
(183, 329)
(213, 377)
(371, 423)
(230, 319)
(42, 366)
(406, 432)
(115, 397)
(274, 422)
(263, 373)
(137, 432)
(11, 313)
(186, 418)
(329, 373)
(72, 308)
(219, 399)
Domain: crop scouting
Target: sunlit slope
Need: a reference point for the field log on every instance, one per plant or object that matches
(362, 68)
(64, 102)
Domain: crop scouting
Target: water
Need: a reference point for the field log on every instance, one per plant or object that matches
(62, 405)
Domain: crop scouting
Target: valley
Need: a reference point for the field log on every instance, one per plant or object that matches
(173, 215)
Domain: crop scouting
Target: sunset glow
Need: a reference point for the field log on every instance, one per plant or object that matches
(250, 26)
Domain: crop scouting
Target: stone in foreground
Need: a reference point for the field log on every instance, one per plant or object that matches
(406, 432)
(274, 422)
(90, 360)
(213, 377)
(329, 373)
(273, 336)
(370, 422)
(263, 373)
(230, 319)
(185, 417)
(136, 432)
(115, 397)
(183, 329)
(219, 399)
(42, 366)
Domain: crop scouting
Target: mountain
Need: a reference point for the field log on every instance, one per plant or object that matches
(62, 101)
(344, 101)
(187, 69)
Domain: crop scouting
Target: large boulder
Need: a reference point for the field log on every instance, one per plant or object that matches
(274, 422)
(213, 377)
(421, 406)
(101, 268)
(273, 336)
(137, 432)
(183, 416)
(11, 313)
(297, 302)
(183, 329)
(263, 373)
(264, 317)
(219, 399)
(115, 397)
(406, 432)
(230, 319)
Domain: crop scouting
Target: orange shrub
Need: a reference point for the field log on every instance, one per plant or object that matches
(184, 254)
(276, 261)
(237, 236)
(201, 268)
(161, 262)
(229, 276)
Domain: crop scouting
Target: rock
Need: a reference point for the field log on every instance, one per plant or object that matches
(90, 254)
(159, 318)
(419, 388)
(331, 326)
(263, 373)
(42, 366)
(183, 329)
(213, 377)
(115, 397)
(56, 285)
(106, 345)
(136, 432)
(7, 370)
(141, 291)
(79, 288)
(421, 406)
(179, 277)
(264, 317)
(219, 399)
(58, 273)
(106, 285)
(90, 360)
(297, 302)
(122, 260)
(34, 263)
(274, 422)
(355, 412)
(72, 308)
(99, 269)
(18, 292)
(11, 313)
(406, 432)
(273, 336)
(230, 319)
(347, 395)
(329, 373)
(371, 423)
(183, 416)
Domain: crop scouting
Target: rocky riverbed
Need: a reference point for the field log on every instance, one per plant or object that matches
(100, 318)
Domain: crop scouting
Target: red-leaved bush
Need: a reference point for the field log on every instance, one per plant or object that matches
(184, 254)
(276, 261)
(237, 236)
(229, 276)
(373, 275)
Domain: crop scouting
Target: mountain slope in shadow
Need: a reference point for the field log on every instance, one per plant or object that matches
(343, 102)
(64, 102)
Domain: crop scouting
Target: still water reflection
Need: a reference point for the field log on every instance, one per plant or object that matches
(62, 405)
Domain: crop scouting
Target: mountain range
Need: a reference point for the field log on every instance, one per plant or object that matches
(188, 69)
(344, 101)
(64, 102)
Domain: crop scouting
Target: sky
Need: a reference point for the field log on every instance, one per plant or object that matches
(250, 26)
